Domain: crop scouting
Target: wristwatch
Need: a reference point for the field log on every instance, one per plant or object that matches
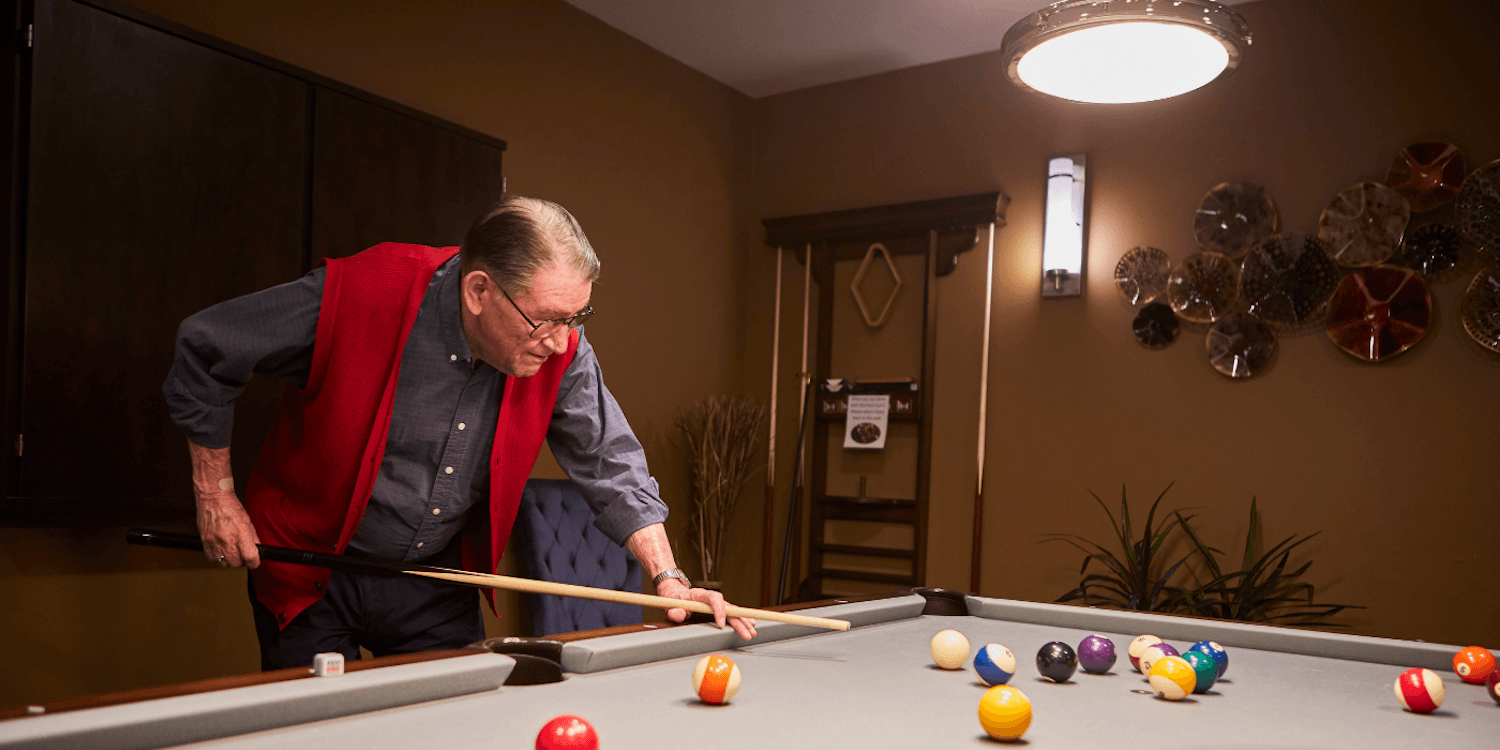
(671, 573)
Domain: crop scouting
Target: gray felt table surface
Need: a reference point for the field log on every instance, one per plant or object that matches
(876, 687)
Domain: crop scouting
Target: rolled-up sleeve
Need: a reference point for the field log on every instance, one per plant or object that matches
(269, 332)
(594, 444)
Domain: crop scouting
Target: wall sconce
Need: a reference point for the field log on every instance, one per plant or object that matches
(1063, 233)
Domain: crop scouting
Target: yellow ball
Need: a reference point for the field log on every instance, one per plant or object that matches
(1173, 678)
(1004, 712)
(950, 649)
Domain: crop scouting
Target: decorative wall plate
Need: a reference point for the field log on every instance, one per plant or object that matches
(1377, 313)
(1155, 325)
(1427, 175)
(1203, 286)
(1233, 217)
(1431, 249)
(1288, 279)
(1364, 224)
(1479, 308)
(1478, 215)
(1240, 345)
(1141, 274)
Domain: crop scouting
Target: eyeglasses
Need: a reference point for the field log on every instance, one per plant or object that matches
(551, 326)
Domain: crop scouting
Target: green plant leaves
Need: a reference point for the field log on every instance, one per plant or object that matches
(1261, 590)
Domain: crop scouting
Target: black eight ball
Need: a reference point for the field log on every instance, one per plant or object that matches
(1056, 661)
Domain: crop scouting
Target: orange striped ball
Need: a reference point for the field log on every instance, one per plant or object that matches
(716, 679)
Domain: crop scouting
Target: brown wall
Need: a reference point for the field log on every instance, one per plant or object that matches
(647, 153)
(1394, 463)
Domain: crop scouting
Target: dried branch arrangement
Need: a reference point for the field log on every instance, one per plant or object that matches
(720, 439)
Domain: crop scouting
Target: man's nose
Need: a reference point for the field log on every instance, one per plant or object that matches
(556, 341)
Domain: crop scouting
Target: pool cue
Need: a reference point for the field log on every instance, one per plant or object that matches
(984, 400)
(788, 549)
(768, 541)
(273, 553)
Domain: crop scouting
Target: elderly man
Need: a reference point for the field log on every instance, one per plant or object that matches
(421, 384)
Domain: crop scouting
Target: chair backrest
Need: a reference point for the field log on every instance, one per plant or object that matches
(557, 541)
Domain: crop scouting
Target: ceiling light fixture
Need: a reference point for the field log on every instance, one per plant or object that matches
(1119, 51)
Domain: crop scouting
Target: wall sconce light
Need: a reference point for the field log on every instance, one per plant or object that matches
(1125, 50)
(1063, 233)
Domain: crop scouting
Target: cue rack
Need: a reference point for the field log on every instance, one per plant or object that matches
(939, 231)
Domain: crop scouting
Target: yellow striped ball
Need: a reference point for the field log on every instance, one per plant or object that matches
(1173, 678)
(1004, 712)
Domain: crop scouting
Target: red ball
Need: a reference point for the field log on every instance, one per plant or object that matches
(567, 732)
(1420, 690)
(1474, 664)
(1492, 684)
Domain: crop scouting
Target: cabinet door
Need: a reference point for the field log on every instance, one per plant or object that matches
(164, 176)
(387, 176)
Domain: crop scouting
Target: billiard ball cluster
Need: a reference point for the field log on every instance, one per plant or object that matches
(1005, 712)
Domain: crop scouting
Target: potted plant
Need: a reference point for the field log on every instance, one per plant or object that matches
(720, 436)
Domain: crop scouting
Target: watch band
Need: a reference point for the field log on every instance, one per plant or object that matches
(671, 573)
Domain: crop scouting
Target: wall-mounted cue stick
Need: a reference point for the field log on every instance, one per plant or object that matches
(768, 541)
(482, 580)
(984, 400)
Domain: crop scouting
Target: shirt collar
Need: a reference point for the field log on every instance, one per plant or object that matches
(447, 278)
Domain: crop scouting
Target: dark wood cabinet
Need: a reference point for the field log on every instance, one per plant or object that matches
(154, 172)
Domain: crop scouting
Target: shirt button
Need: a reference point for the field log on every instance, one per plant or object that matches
(419, 544)
(461, 426)
(452, 357)
(436, 511)
(448, 470)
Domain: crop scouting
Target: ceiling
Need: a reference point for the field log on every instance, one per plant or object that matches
(765, 47)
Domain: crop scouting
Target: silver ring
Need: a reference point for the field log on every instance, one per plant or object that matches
(220, 558)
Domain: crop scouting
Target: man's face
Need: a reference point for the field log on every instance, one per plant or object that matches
(499, 334)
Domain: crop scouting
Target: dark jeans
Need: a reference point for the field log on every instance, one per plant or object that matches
(385, 614)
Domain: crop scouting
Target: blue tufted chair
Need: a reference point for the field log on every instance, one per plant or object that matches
(557, 541)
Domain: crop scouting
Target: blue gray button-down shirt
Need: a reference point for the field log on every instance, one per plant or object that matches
(436, 462)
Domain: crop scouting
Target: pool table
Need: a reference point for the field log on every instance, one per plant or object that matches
(874, 686)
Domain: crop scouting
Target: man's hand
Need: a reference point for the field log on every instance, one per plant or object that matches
(228, 536)
(673, 588)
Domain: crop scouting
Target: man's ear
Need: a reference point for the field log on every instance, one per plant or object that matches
(473, 291)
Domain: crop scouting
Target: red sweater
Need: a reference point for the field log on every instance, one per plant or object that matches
(314, 475)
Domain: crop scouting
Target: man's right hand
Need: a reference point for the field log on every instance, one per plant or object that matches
(228, 536)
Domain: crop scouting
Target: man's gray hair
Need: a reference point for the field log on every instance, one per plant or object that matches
(519, 236)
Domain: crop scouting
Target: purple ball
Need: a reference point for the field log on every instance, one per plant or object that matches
(1096, 654)
(1167, 650)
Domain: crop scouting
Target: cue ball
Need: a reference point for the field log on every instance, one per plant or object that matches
(1056, 661)
(716, 679)
(994, 664)
(1419, 690)
(1138, 647)
(1474, 664)
(1004, 712)
(1220, 656)
(1492, 684)
(1096, 654)
(1172, 677)
(567, 732)
(1154, 654)
(950, 649)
